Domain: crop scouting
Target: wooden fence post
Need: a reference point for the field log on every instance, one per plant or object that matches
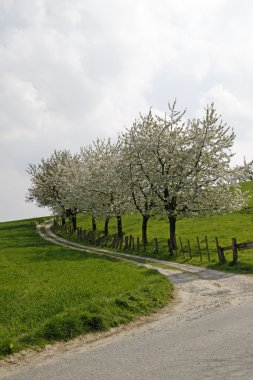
(126, 242)
(181, 246)
(116, 237)
(207, 249)
(218, 248)
(200, 254)
(234, 249)
(115, 240)
(220, 251)
(189, 247)
(98, 241)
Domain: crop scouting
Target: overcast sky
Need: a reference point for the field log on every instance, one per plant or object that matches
(71, 71)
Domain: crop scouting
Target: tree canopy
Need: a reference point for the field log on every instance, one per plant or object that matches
(172, 165)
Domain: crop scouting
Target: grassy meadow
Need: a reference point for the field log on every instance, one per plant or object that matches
(50, 293)
(225, 227)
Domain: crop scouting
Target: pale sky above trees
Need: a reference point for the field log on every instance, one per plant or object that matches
(72, 71)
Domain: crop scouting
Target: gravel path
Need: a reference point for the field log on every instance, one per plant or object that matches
(207, 333)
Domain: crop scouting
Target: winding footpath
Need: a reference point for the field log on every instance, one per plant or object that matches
(206, 333)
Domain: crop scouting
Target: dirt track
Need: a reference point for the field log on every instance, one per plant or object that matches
(206, 300)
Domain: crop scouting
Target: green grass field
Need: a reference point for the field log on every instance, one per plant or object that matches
(50, 293)
(238, 224)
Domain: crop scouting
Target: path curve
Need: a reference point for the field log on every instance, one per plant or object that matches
(208, 334)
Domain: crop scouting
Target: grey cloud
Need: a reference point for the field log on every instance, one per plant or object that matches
(74, 70)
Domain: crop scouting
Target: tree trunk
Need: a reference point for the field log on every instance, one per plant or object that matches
(73, 220)
(106, 230)
(119, 226)
(94, 224)
(172, 221)
(63, 221)
(144, 226)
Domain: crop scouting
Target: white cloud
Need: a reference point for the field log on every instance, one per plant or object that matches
(72, 70)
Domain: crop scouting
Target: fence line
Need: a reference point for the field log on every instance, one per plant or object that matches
(234, 247)
(131, 244)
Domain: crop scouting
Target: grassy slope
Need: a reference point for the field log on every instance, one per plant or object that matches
(52, 293)
(239, 225)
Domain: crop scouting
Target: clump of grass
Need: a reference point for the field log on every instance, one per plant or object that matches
(50, 293)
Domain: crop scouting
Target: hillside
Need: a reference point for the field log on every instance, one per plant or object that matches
(238, 224)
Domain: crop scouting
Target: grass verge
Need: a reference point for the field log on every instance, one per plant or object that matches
(50, 293)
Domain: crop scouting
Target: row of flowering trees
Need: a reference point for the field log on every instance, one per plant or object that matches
(168, 165)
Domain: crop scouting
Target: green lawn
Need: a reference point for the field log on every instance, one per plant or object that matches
(50, 293)
(238, 224)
